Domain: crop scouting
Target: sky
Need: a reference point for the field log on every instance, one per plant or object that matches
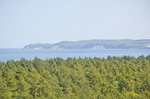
(49, 21)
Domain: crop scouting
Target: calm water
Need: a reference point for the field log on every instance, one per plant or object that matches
(17, 54)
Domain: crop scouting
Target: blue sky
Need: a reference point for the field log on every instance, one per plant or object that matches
(50, 21)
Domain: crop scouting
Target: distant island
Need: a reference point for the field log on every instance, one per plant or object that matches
(94, 44)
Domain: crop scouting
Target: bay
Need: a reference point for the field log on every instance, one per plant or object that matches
(17, 54)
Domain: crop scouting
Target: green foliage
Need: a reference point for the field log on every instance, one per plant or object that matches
(115, 77)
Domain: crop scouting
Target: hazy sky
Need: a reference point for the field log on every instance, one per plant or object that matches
(50, 21)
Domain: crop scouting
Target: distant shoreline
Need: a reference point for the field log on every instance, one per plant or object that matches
(94, 44)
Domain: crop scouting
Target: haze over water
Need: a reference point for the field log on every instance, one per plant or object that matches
(17, 54)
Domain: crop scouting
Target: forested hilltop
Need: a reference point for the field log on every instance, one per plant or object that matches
(95, 44)
(89, 78)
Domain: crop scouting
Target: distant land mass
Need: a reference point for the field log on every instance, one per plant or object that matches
(96, 44)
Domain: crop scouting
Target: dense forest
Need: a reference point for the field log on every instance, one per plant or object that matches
(89, 78)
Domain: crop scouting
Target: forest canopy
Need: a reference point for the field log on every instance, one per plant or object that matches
(83, 78)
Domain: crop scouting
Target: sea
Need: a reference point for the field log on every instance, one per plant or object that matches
(17, 54)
